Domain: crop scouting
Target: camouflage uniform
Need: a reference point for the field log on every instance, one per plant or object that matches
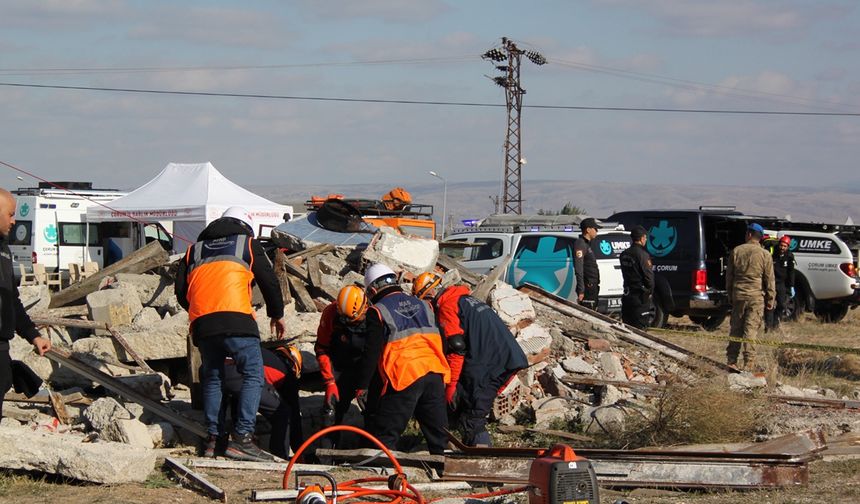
(750, 285)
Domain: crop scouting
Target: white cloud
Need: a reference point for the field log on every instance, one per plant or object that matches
(394, 11)
(710, 18)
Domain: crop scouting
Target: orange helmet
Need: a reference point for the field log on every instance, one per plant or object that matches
(352, 303)
(292, 357)
(424, 283)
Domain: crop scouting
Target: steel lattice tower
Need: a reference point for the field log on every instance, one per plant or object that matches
(512, 196)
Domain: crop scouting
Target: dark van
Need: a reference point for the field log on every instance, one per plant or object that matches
(689, 250)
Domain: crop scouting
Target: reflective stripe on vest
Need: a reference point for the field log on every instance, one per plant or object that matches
(414, 346)
(219, 276)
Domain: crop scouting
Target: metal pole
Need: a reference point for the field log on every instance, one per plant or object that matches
(444, 200)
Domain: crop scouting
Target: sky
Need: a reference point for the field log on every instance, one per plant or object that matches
(738, 55)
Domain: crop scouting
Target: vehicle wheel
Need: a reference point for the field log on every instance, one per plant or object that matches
(831, 312)
(710, 322)
(660, 316)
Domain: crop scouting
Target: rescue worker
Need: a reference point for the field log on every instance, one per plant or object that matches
(279, 401)
(585, 265)
(213, 282)
(412, 366)
(750, 286)
(783, 273)
(636, 307)
(13, 316)
(482, 353)
(348, 327)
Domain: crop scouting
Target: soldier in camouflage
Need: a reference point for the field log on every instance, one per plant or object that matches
(750, 286)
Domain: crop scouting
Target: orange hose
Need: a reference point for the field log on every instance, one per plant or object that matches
(348, 486)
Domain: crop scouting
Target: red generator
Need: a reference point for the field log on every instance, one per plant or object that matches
(559, 476)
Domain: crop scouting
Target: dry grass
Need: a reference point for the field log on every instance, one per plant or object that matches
(706, 412)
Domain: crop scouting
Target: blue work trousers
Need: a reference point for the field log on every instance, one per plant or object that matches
(244, 349)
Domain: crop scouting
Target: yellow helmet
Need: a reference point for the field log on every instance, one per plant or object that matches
(352, 303)
(424, 283)
(292, 357)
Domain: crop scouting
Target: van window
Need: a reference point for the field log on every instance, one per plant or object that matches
(74, 234)
(449, 248)
(22, 234)
(610, 245)
(485, 248)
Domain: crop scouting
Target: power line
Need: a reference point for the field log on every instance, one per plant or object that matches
(428, 102)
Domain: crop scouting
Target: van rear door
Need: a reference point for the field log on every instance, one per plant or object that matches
(75, 245)
(545, 260)
(607, 248)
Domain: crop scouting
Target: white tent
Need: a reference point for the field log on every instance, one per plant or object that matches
(192, 196)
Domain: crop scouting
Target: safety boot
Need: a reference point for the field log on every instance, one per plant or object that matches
(242, 447)
(215, 445)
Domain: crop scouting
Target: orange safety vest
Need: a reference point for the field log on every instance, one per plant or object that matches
(219, 276)
(414, 346)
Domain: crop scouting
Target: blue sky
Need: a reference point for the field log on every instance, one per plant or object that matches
(727, 55)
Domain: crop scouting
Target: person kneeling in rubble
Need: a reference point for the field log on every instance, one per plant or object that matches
(411, 362)
(349, 330)
(483, 354)
(279, 401)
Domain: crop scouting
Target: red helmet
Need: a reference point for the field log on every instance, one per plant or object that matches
(785, 239)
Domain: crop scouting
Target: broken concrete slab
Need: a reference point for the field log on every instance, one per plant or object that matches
(746, 381)
(605, 419)
(105, 411)
(610, 362)
(550, 409)
(35, 298)
(69, 456)
(152, 290)
(162, 434)
(115, 306)
(130, 431)
(577, 365)
(300, 325)
(412, 254)
(513, 306)
(146, 319)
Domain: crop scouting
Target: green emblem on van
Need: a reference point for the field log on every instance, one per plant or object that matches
(793, 246)
(50, 233)
(546, 267)
(24, 209)
(662, 239)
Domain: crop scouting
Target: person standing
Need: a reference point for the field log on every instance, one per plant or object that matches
(482, 353)
(585, 265)
(13, 316)
(636, 303)
(213, 283)
(750, 286)
(412, 367)
(783, 272)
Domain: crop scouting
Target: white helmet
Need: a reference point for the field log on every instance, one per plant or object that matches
(374, 275)
(240, 214)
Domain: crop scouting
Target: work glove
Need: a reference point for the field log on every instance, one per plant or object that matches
(361, 399)
(451, 395)
(331, 396)
(792, 292)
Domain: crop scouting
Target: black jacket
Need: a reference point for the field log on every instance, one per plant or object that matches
(220, 323)
(585, 265)
(636, 270)
(13, 316)
(783, 269)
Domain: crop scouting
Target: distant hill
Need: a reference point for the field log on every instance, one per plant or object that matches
(473, 199)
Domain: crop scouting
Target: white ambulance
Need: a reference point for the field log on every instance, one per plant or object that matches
(51, 228)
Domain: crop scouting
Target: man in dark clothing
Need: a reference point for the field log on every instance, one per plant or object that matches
(13, 316)
(783, 274)
(213, 283)
(638, 281)
(585, 265)
(279, 401)
(412, 366)
(349, 330)
(482, 353)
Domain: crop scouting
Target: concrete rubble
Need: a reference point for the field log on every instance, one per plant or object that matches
(581, 376)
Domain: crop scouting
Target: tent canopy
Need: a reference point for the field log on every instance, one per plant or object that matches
(189, 192)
